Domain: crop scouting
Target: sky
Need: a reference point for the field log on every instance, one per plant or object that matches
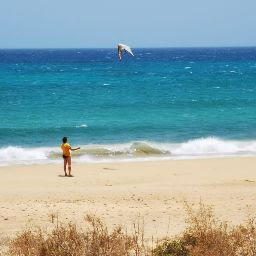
(139, 23)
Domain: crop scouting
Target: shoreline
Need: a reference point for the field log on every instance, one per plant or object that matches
(126, 192)
(133, 151)
(76, 161)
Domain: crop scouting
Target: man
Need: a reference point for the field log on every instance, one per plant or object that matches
(67, 155)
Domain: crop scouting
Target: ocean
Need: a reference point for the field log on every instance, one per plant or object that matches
(166, 103)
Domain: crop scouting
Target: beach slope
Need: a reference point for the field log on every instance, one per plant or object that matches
(123, 193)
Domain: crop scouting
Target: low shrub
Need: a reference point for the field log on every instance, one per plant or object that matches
(207, 236)
(204, 236)
(69, 241)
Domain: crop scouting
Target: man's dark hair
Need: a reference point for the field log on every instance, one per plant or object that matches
(65, 139)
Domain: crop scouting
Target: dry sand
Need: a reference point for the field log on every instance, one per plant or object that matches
(124, 193)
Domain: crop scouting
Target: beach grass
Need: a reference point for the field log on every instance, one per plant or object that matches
(94, 239)
(205, 235)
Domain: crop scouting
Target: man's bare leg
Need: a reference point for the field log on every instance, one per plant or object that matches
(65, 165)
(69, 166)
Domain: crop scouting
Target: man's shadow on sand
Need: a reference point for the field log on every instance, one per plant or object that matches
(104, 168)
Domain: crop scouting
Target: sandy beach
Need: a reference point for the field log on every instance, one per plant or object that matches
(152, 192)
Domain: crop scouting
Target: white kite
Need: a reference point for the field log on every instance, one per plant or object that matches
(123, 47)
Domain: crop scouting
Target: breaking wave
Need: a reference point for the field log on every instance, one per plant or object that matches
(203, 147)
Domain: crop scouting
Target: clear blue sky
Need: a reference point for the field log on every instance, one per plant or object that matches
(139, 23)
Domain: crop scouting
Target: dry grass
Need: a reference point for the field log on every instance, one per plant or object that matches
(205, 235)
(71, 241)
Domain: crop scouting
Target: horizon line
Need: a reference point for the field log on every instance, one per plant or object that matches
(146, 47)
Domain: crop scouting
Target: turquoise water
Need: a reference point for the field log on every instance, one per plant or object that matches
(162, 102)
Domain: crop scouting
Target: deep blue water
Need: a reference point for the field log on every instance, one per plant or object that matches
(160, 95)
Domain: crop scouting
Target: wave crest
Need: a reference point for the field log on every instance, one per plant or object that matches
(210, 145)
(202, 147)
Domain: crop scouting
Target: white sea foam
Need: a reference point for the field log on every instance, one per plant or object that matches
(134, 151)
(19, 155)
(82, 126)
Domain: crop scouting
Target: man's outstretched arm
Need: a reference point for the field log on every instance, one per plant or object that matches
(74, 149)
